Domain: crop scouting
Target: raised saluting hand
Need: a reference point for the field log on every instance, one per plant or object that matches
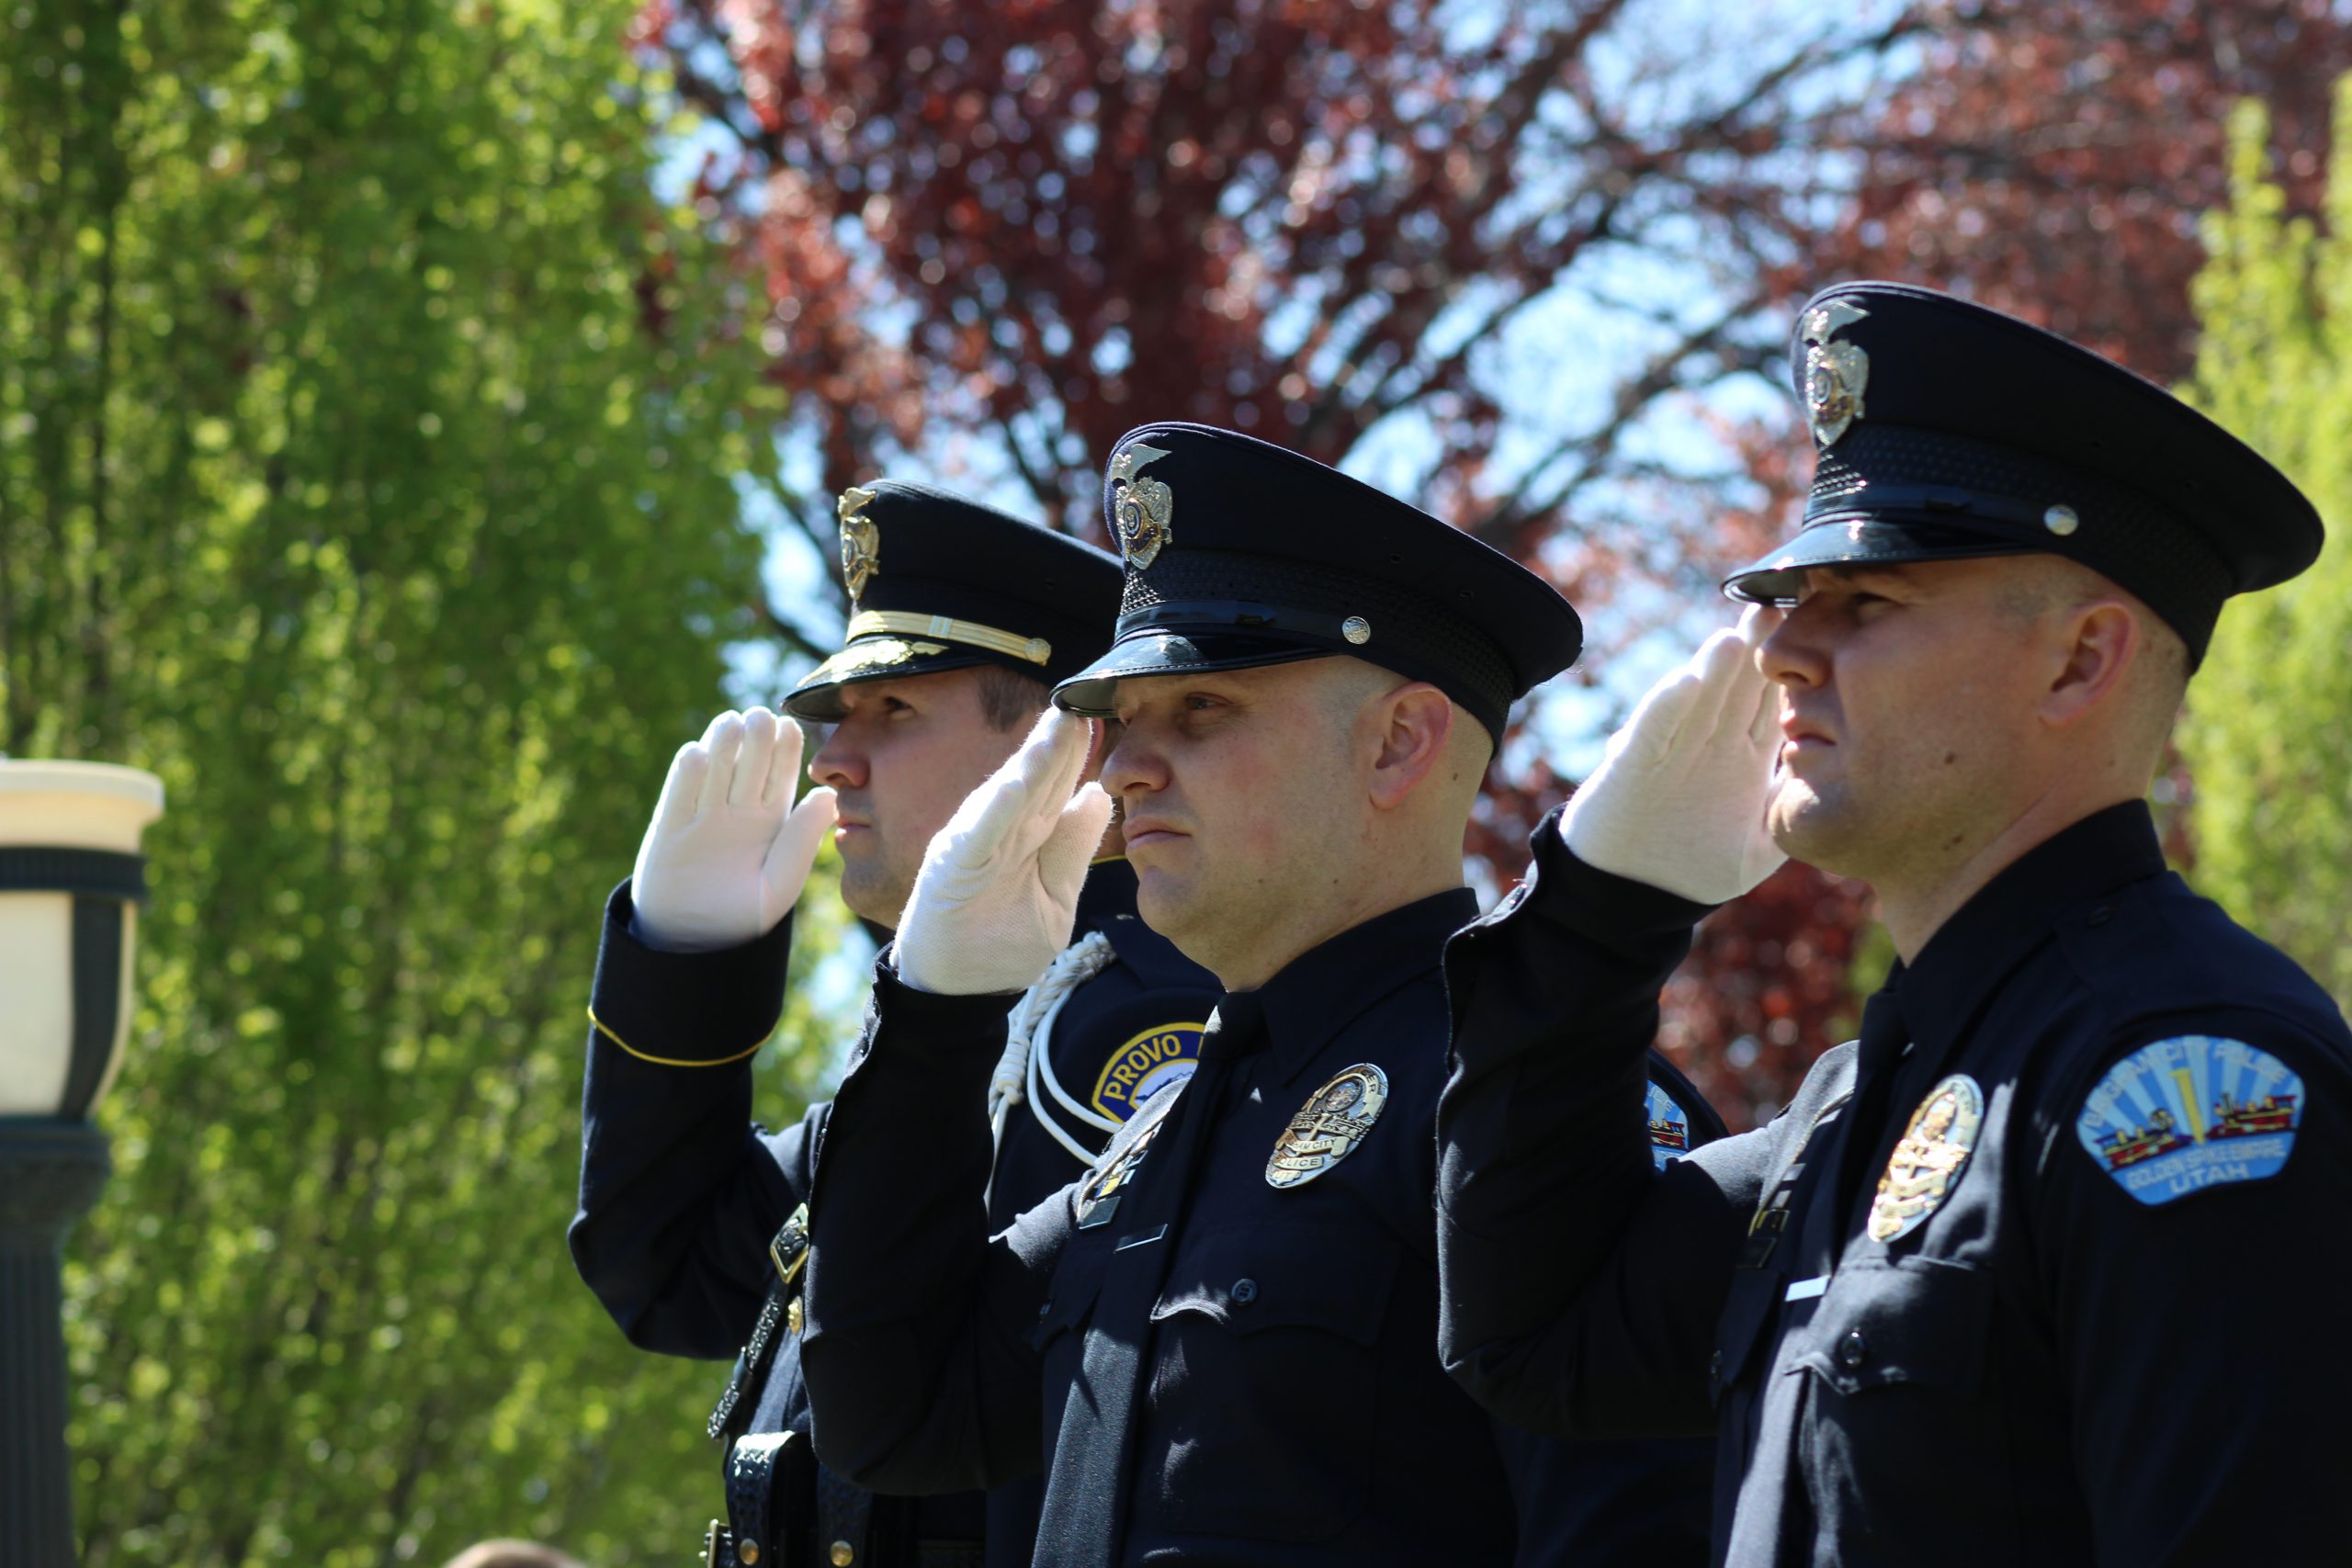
(727, 853)
(1678, 801)
(997, 896)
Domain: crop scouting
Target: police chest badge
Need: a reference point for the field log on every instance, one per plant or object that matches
(1932, 1152)
(1141, 509)
(1328, 1126)
(2192, 1112)
(861, 540)
(1158, 1058)
(1669, 1128)
(1835, 373)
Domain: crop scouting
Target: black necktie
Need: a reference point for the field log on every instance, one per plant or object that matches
(1773, 1518)
(1877, 1063)
(1086, 1488)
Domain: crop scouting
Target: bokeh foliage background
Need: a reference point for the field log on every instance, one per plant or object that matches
(374, 448)
(371, 441)
(2268, 737)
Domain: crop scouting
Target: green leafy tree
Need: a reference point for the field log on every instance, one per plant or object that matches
(2269, 741)
(369, 437)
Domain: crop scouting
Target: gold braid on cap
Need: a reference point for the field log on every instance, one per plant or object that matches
(914, 623)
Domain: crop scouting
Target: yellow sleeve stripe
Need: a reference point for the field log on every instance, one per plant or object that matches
(665, 1061)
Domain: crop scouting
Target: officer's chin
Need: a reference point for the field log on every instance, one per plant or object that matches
(1165, 900)
(1809, 821)
(872, 895)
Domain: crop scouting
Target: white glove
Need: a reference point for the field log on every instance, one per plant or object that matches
(726, 853)
(1678, 801)
(997, 896)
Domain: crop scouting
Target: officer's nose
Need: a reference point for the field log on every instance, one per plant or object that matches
(1131, 766)
(1794, 654)
(840, 762)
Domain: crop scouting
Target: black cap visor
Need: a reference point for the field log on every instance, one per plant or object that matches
(1153, 650)
(1861, 541)
(818, 696)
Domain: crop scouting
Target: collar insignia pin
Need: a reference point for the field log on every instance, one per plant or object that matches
(1835, 373)
(1328, 1126)
(861, 540)
(1932, 1152)
(1140, 508)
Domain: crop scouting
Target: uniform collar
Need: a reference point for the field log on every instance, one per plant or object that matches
(1324, 989)
(2013, 914)
(1108, 892)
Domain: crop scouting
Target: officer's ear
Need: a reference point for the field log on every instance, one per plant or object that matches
(1415, 725)
(2100, 639)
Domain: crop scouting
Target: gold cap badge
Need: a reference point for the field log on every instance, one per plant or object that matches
(1933, 1151)
(861, 540)
(1140, 508)
(1835, 373)
(1328, 1126)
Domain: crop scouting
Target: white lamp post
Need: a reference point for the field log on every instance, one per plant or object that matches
(72, 879)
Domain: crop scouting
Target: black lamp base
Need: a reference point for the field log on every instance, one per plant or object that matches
(51, 1172)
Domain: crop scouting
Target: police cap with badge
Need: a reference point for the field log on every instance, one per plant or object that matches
(1240, 553)
(938, 583)
(1947, 430)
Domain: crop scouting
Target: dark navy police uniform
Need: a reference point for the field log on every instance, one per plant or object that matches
(1950, 1307)
(2040, 1270)
(1218, 1344)
(681, 1194)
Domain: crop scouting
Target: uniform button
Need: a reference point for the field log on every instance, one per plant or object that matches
(746, 1552)
(1045, 1311)
(2100, 916)
(843, 1554)
(1852, 1350)
(1245, 1292)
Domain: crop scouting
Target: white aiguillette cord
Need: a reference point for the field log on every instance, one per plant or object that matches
(1024, 1068)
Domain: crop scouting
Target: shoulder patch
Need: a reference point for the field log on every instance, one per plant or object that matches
(1669, 1127)
(2194, 1111)
(1160, 1057)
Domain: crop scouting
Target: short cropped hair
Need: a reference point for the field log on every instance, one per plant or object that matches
(1010, 700)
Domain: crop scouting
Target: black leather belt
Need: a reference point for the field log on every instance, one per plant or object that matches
(718, 1551)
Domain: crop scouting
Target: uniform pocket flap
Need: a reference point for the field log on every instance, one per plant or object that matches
(1276, 1276)
(1914, 1321)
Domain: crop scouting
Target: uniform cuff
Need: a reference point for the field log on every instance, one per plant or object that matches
(931, 1027)
(1615, 911)
(687, 1010)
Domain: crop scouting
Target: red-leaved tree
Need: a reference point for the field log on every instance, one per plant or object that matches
(1516, 267)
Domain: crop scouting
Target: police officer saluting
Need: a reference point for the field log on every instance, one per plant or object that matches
(1218, 1344)
(687, 1232)
(2044, 1268)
